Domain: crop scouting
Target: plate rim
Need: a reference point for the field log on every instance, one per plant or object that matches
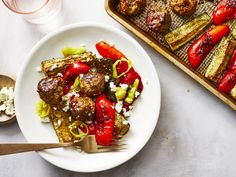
(70, 27)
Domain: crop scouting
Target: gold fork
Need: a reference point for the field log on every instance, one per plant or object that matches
(88, 144)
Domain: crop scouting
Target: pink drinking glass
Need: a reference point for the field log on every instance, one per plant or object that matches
(35, 11)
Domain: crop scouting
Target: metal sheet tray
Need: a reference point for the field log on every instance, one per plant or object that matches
(136, 24)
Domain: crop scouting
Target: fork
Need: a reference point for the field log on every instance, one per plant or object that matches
(88, 145)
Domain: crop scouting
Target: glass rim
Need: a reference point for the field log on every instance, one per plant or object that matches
(20, 12)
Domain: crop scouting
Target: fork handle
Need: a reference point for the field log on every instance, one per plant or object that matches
(26, 147)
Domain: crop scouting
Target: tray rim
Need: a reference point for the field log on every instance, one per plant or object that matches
(169, 56)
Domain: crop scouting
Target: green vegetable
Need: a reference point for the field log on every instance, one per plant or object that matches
(67, 51)
(120, 93)
(220, 59)
(180, 36)
(76, 84)
(42, 109)
(116, 63)
(131, 94)
(77, 129)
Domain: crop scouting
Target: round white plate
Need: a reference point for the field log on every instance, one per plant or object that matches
(146, 109)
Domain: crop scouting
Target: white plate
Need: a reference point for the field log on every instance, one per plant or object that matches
(146, 109)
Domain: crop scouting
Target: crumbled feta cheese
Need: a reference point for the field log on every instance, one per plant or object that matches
(45, 119)
(125, 122)
(81, 75)
(112, 86)
(112, 44)
(67, 98)
(70, 119)
(89, 122)
(130, 107)
(59, 123)
(137, 94)
(106, 78)
(127, 114)
(119, 106)
(124, 86)
(7, 100)
(2, 107)
(88, 59)
(54, 66)
(55, 108)
(39, 69)
(66, 108)
(59, 74)
(94, 70)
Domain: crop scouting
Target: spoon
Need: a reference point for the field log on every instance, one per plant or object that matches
(6, 81)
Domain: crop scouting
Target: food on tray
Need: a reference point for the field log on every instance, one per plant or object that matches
(180, 36)
(184, 7)
(82, 94)
(198, 51)
(220, 59)
(224, 11)
(131, 7)
(158, 18)
(228, 81)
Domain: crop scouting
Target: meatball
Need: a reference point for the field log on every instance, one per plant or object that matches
(183, 7)
(82, 108)
(50, 90)
(92, 84)
(158, 18)
(131, 7)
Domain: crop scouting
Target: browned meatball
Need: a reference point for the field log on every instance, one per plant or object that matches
(50, 90)
(82, 108)
(92, 84)
(131, 7)
(158, 18)
(183, 7)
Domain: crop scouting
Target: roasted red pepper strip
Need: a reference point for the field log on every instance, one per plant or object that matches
(203, 46)
(130, 77)
(74, 70)
(107, 51)
(228, 81)
(105, 118)
(224, 11)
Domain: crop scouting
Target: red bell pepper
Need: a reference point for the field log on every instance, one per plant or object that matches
(74, 70)
(228, 81)
(105, 118)
(108, 51)
(130, 77)
(203, 46)
(105, 50)
(224, 11)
